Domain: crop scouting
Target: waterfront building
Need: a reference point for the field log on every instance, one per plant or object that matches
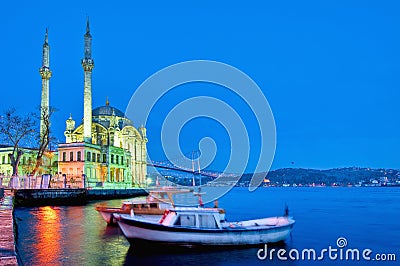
(106, 150)
(27, 162)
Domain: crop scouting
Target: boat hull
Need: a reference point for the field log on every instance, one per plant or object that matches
(138, 231)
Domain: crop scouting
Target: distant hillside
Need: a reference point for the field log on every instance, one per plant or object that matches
(337, 176)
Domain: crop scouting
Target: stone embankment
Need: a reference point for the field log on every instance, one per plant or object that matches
(8, 255)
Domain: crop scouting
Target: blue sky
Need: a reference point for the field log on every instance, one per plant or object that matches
(329, 69)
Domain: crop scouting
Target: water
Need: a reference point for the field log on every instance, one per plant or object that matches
(366, 217)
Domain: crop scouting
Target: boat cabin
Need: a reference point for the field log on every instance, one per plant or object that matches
(204, 218)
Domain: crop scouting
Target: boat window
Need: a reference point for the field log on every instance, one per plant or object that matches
(207, 221)
(186, 220)
(153, 205)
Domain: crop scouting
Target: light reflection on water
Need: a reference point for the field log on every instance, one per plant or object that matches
(48, 227)
(70, 236)
(77, 235)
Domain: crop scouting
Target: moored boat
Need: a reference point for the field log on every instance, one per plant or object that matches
(204, 226)
(155, 204)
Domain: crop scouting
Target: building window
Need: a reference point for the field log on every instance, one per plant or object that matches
(127, 162)
(64, 156)
(4, 160)
(122, 160)
(88, 156)
(98, 157)
(104, 158)
(71, 156)
(117, 159)
(93, 157)
(78, 156)
(112, 158)
(23, 160)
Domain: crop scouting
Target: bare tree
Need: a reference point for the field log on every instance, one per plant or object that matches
(45, 138)
(16, 130)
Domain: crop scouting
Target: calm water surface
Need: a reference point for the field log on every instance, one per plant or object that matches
(366, 217)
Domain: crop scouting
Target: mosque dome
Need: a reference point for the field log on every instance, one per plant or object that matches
(107, 110)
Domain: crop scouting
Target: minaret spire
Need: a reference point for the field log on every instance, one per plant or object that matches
(88, 65)
(45, 73)
(87, 26)
(46, 37)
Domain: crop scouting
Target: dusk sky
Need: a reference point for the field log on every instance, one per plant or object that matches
(329, 69)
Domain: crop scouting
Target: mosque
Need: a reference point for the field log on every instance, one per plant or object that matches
(106, 150)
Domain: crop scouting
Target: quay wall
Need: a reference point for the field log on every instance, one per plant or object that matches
(70, 197)
(104, 194)
(45, 197)
(8, 255)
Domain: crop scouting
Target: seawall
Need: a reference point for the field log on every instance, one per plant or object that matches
(68, 197)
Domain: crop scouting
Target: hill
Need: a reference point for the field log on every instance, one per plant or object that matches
(331, 177)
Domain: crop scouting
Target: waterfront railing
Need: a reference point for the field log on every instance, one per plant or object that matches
(57, 181)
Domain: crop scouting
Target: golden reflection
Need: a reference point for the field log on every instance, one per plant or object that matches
(48, 232)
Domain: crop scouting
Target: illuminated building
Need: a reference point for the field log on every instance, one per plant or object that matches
(27, 162)
(106, 150)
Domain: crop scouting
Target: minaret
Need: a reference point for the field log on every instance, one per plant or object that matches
(88, 65)
(45, 73)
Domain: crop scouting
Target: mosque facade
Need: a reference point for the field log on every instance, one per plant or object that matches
(105, 150)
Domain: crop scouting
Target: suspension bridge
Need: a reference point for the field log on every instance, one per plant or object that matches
(178, 164)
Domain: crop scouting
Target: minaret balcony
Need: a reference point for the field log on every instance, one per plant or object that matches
(45, 72)
(88, 64)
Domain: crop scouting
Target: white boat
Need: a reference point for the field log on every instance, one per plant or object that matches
(203, 227)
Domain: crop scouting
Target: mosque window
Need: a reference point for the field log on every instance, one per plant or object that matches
(71, 156)
(64, 156)
(88, 156)
(78, 156)
(112, 158)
